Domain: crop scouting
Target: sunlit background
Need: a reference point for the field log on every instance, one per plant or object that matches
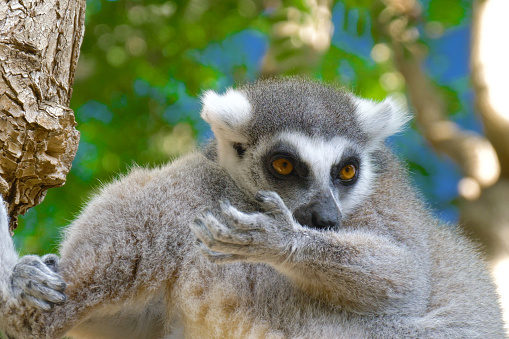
(143, 65)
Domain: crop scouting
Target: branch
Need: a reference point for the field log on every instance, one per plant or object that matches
(39, 49)
(473, 153)
(490, 72)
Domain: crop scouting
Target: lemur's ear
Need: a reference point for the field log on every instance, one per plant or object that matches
(226, 113)
(380, 120)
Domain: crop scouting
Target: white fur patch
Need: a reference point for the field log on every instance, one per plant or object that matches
(227, 113)
(362, 188)
(228, 110)
(317, 152)
(381, 120)
(322, 154)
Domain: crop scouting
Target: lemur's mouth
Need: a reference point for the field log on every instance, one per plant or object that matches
(319, 215)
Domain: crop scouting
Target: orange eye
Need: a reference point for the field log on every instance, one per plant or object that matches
(282, 166)
(347, 172)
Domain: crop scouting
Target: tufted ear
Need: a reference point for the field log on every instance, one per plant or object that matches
(380, 120)
(226, 113)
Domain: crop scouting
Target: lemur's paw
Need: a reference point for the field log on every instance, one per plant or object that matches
(51, 261)
(225, 238)
(239, 236)
(35, 281)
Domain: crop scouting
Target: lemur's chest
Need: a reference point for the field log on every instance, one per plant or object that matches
(231, 303)
(223, 301)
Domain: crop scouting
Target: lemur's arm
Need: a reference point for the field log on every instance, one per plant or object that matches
(358, 270)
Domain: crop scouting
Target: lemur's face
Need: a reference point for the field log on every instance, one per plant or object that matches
(310, 143)
(320, 180)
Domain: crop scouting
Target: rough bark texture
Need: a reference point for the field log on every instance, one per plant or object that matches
(39, 48)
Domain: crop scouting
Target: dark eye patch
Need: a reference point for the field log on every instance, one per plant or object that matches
(283, 151)
(239, 148)
(349, 158)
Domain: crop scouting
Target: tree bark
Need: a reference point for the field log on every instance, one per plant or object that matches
(39, 47)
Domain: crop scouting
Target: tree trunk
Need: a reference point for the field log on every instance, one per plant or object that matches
(484, 160)
(487, 218)
(39, 47)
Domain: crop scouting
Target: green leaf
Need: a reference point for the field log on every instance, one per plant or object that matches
(449, 13)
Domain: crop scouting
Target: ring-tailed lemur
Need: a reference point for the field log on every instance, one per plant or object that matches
(296, 222)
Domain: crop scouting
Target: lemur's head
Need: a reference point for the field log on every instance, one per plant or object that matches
(312, 144)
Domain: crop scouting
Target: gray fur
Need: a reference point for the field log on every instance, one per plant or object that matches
(301, 105)
(201, 250)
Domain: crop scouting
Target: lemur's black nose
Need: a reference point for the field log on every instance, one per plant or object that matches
(322, 213)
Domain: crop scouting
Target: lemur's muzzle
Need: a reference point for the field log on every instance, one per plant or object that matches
(321, 213)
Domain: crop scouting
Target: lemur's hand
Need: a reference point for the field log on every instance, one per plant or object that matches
(36, 281)
(268, 236)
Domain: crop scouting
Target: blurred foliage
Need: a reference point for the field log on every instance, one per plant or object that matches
(143, 65)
